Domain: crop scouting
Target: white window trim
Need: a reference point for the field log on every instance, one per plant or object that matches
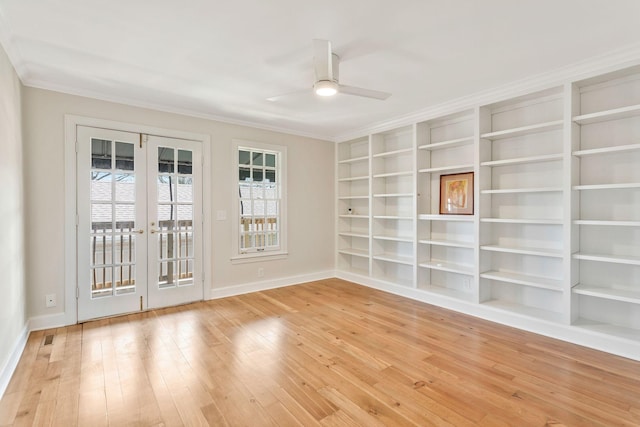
(238, 257)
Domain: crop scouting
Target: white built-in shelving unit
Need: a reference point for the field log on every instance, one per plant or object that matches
(606, 186)
(521, 204)
(393, 206)
(446, 243)
(354, 206)
(553, 245)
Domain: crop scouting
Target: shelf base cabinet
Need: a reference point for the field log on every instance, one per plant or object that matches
(553, 244)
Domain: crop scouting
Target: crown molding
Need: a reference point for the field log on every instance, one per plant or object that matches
(624, 57)
(39, 84)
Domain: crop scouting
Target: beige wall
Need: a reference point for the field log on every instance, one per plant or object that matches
(310, 193)
(13, 318)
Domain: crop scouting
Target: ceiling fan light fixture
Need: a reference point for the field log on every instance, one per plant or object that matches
(325, 88)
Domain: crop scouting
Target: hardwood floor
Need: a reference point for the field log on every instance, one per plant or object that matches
(327, 353)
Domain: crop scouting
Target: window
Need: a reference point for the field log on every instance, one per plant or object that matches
(260, 202)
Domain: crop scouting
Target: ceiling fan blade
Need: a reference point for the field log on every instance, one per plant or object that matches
(367, 93)
(322, 60)
(288, 95)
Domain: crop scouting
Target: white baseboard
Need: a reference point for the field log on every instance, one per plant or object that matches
(628, 348)
(233, 290)
(7, 370)
(49, 321)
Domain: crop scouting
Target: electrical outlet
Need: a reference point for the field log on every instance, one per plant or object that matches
(261, 272)
(467, 283)
(50, 300)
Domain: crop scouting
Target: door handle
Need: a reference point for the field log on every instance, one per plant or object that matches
(141, 231)
(154, 231)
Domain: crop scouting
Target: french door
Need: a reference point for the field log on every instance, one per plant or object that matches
(139, 235)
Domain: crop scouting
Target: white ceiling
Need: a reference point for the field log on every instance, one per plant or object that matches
(222, 59)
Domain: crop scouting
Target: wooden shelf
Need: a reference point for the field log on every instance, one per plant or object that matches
(449, 243)
(524, 130)
(606, 150)
(523, 251)
(624, 295)
(353, 160)
(407, 239)
(524, 280)
(523, 190)
(524, 310)
(522, 160)
(398, 217)
(392, 174)
(450, 267)
(523, 221)
(447, 144)
(614, 259)
(607, 223)
(355, 178)
(354, 252)
(395, 258)
(606, 115)
(436, 217)
(349, 234)
(607, 186)
(393, 195)
(452, 168)
(352, 197)
(393, 153)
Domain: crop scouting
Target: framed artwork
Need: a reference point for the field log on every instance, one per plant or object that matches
(456, 194)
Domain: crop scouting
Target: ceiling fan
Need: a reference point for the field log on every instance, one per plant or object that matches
(326, 65)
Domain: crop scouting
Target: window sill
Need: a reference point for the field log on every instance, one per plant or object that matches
(259, 257)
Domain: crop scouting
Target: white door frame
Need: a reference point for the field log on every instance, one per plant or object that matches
(70, 200)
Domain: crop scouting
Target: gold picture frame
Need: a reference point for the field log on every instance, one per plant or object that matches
(456, 194)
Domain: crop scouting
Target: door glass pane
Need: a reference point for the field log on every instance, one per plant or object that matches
(166, 245)
(124, 156)
(101, 186)
(101, 251)
(166, 160)
(185, 213)
(167, 274)
(125, 217)
(165, 214)
(165, 188)
(112, 210)
(185, 272)
(125, 187)
(185, 189)
(185, 162)
(185, 243)
(101, 213)
(101, 281)
(100, 154)
(175, 217)
(125, 279)
(125, 249)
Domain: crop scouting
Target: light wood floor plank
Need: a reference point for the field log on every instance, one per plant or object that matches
(326, 353)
